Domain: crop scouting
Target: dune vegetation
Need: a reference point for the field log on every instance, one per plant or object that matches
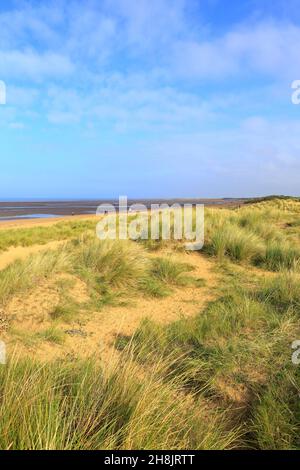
(41, 235)
(217, 373)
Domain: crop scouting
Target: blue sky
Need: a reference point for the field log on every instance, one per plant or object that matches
(160, 98)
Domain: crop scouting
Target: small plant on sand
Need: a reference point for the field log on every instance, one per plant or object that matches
(116, 263)
(66, 311)
(22, 275)
(235, 243)
(283, 291)
(280, 255)
(153, 287)
(52, 334)
(171, 272)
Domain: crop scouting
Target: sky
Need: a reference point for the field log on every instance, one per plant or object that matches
(160, 98)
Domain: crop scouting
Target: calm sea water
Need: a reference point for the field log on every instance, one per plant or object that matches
(11, 210)
(29, 216)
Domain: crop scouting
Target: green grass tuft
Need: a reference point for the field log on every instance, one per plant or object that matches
(171, 272)
(22, 275)
(52, 335)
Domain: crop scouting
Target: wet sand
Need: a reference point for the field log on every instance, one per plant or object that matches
(27, 223)
(56, 209)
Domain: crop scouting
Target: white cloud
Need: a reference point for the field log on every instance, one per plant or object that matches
(150, 23)
(28, 64)
(140, 67)
(161, 35)
(62, 118)
(266, 48)
(125, 107)
(22, 97)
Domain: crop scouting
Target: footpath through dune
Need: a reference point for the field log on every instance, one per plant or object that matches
(95, 331)
(29, 311)
(104, 326)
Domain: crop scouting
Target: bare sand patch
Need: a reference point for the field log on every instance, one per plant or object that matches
(29, 223)
(94, 332)
(30, 310)
(22, 252)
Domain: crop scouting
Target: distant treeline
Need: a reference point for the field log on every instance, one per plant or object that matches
(271, 198)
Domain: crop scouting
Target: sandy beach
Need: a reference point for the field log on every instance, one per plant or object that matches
(27, 223)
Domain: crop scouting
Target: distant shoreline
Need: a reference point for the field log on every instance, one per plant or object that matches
(42, 222)
(18, 210)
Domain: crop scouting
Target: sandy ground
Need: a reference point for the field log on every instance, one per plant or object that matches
(28, 223)
(29, 313)
(20, 252)
(103, 327)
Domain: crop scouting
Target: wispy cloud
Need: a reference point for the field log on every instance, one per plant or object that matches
(30, 65)
(161, 75)
(267, 48)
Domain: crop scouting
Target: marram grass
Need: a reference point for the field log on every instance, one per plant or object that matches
(222, 379)
(82, 406)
